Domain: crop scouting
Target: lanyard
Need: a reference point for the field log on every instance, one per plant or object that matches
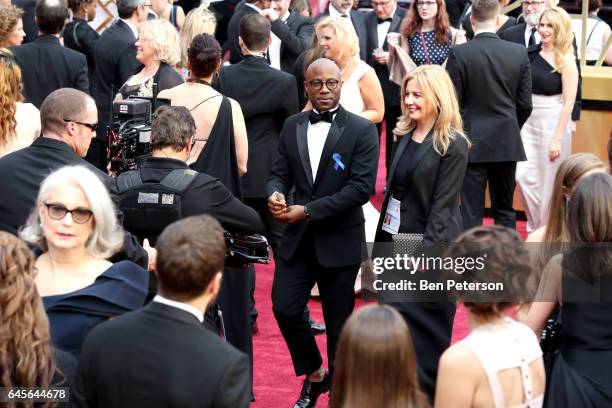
(425, 47)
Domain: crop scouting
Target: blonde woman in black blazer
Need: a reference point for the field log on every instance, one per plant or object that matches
(426, 176)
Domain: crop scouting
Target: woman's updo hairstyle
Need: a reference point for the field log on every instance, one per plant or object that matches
(204, 55)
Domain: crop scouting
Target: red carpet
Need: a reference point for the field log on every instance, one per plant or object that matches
(275, 384)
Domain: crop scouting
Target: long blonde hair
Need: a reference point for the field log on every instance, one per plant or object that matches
(26, 359)
(562, 24)
(439, 91)
(346, 37)
(199, 21)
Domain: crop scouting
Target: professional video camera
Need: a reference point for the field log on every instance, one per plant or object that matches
(129, 134)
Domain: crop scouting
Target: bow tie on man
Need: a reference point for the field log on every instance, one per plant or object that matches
(384, 20)
(315, 117)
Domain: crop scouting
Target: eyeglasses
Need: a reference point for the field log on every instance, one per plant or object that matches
(379, 3)
(58, 212)
(424, 4)
(92, 126)
(331, 84)
(533, 3)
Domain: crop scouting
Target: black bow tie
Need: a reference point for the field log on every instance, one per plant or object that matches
(315, 117)
(384, 20)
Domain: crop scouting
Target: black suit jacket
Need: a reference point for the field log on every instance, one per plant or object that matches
(358, 21)
(160, 356)
(47, 66)
(430, 203)
(492, 78)
(391, 91)
(115, 57)
(516, 34)
(233, 31)
(267, 97)
(295, 35)
(336, 195)
(24, 170)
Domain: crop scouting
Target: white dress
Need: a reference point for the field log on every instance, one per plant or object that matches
(26, 130)
(502, 346)
(597, 30)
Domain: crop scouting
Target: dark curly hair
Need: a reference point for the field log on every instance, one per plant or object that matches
(204, 55)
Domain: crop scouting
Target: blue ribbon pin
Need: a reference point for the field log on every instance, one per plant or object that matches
(338, 161)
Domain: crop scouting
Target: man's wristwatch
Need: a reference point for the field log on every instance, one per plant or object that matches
(306, 213)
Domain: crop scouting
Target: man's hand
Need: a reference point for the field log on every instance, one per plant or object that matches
(270, 14)
(277, 204)
(293, 214)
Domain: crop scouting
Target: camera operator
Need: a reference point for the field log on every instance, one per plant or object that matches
(172, 133)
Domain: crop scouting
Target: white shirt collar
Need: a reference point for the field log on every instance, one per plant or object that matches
(132, 27)
(333, 12)
(254, 7)
(285, 16)
(180, 305)
(484, 30)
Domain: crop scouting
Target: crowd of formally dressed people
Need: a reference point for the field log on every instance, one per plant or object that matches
(122, 286)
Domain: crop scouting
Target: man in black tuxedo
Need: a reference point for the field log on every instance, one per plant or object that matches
(386, 17)
(526, 33)
(291, 35)
(492, 78)
(162, 355)
(233, 27)
(330, 157)
(68, 123)
(45, 64)
(344, 8)
(115, 61)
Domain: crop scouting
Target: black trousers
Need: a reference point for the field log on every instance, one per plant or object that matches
(392, 113)
(293, 280)
(500, 177)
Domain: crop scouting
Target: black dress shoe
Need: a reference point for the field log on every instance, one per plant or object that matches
(311, 391)
(316, 328)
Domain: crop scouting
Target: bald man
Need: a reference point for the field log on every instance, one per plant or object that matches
(330, 157)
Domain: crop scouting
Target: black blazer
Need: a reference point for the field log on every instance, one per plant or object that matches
(516, 34)
(358, 21)
(336, 195)
(492, 78)
(391, 91)
(233, 31)
(430, 203)
(267, 97)
(47, 66)
(115, 56)
(295, 35)
(24, 171)
(79, 36)
(160, 356)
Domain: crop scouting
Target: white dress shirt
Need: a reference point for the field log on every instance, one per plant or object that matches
(180, 305)
(528, 34)
(382, 30)
(317, 135)
(274, 50)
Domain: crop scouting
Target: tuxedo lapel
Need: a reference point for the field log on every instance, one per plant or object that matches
(302, 143)
(371, 28)
(335, 132)
(393, 27)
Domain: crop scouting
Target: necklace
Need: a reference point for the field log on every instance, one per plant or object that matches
(199, 81)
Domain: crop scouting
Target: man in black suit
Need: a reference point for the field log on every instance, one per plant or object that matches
(162, 355)
(45, 64)
(330, 157)
(386, 17)
(291, 35)
(115, 61)
(526, 33)
(267, 97)
(492, 78)
(344, 8)
(68, 124)
(233, 27)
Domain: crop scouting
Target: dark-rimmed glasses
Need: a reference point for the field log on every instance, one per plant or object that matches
(58, 212)
(91, 126)
(331, 84)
